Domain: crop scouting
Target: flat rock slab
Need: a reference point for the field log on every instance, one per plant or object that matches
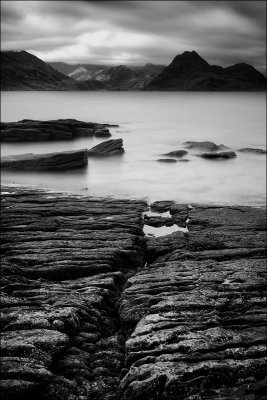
(49, 161)
(60, 129)
(92, 309)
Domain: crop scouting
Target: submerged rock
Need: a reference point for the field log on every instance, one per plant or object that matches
(222, 154)
(167, 160)
(251, 150)
(49, 161)
(103, 132)
(108, 148)
(209, 146)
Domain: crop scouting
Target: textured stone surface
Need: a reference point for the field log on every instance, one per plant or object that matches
(60, 129)
(92, 309)
(65, 261)
(109, 148)
(196, 316)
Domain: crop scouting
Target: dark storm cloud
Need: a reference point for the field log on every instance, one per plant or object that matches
(114, 32)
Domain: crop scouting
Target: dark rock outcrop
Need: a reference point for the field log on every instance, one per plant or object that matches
(61, 129)
(218, 155)
(190, 72)
(251, 150)
(109, 148)
(49, 161)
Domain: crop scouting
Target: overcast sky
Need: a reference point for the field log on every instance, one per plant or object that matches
(136, 32)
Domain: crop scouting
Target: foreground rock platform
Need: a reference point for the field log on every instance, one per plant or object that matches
(28, 130)
(93, 309)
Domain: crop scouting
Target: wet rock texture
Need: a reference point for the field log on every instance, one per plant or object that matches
(93, 310)
(65, 261)
(60, 129)
(196, 313)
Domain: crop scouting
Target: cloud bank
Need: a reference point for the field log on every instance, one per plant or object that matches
(136, 32)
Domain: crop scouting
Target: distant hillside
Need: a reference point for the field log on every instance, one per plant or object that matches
(69, 68)
(190, 72)
(23, 71)
(120, 77)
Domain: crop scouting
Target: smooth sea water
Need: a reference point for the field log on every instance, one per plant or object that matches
(151, 123)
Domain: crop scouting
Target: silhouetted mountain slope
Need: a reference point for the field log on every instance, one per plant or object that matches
(189, 71)
(23, 71)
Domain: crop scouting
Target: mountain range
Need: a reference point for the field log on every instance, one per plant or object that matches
(187, 72)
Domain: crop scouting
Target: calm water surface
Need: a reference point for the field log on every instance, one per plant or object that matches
(151, 124)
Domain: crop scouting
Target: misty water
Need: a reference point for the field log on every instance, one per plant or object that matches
(151, 123)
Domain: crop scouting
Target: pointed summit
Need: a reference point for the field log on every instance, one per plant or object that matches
(189, 71)
(188, 62)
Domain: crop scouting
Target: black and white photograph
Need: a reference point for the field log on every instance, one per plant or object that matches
(133, 200)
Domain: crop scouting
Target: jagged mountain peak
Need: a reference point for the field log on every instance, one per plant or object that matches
(190, 59)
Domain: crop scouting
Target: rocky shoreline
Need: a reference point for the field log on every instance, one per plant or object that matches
(93, 308)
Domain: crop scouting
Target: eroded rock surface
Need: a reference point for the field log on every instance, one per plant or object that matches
(65, 261)
(92, 309)
(60, 129)
(195, 315)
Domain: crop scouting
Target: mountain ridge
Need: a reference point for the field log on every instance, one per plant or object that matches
(187, 72)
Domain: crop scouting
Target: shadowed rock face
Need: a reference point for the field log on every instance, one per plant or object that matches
(49, 161)
(61, 129)
(93, 310)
